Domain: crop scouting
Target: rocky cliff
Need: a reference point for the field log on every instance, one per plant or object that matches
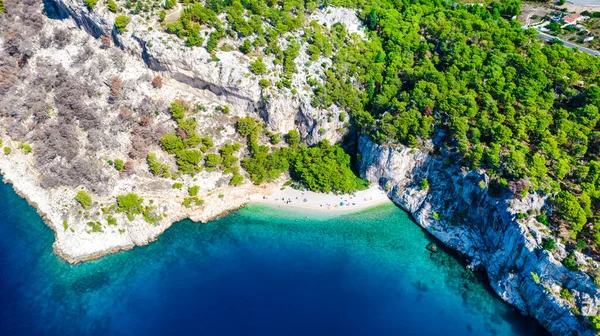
(456, 208)
(224, 73)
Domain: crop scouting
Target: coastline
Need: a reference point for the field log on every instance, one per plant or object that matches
(76, 247)
(199, 257)
(288, 198)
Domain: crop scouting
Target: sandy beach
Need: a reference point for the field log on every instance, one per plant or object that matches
(292, 198)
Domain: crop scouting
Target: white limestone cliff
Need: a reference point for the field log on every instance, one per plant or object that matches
(459, 212)
(230, 76)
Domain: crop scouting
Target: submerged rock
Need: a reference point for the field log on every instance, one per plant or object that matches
(432, 247)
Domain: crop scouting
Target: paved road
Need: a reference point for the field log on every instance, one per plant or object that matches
(591, 3)
(548, 37)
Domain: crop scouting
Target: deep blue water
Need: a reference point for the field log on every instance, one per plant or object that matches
(255, 272)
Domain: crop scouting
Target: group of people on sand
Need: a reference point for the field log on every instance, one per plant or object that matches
(344, 201)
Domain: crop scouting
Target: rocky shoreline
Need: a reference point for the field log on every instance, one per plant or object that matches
(457, 209)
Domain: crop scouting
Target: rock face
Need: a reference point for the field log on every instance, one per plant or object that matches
(70, 41)
(457, 209)
(228, 76)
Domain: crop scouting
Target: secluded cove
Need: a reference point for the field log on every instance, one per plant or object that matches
(258, 271)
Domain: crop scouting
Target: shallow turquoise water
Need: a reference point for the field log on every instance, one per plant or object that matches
(259, 271)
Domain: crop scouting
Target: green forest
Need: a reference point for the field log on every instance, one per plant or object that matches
(487, 92)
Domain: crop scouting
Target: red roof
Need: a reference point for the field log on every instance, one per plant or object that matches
(571, 18)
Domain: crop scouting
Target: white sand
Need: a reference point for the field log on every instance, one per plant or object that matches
(292, 198)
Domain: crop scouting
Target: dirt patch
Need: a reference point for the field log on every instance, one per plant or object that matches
(532, 14)
(174, 14)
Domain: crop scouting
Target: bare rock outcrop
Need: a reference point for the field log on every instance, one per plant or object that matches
(224, 73)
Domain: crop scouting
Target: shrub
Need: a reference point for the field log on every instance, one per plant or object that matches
(212, 160)
(169, 4)
(569, 262)
(25, 147)
(187, 161)
(523, 193)
(193, 191)
(227, 157)
(188, 201)
(131, 204)
(246, 126)
(207, 143)
(150, 216)
(157, 82)
(580, 245)
(90, 3)
(543, 218)
(424, 184)
(236, 180)
(258, 67)
(171, 143)
(273, 138)
(96, 226)
(177, 110)
(119, 164)
(264, 83)
(112, 6)
(110, 220)
(230, 148)
(7, 150)
(548, 244)
(292, 138)
(157, 168)
(246, 46)
(535, 277)
(121, 23)
(84, 199)
(188, 125)
(177, 185)
(566, 294)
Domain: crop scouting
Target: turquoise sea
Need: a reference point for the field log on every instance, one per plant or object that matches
(259, 271)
